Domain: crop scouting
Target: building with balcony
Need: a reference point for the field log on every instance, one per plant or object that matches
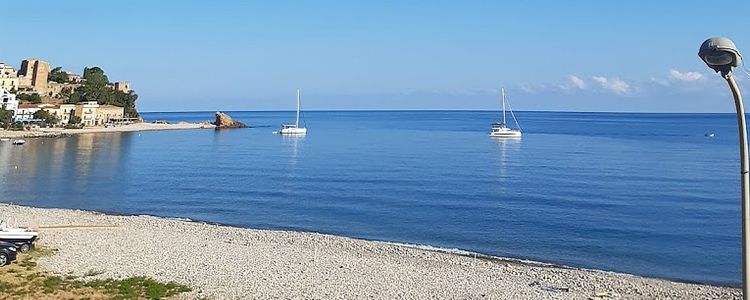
(8, 78)
(25, 112)
(87, 112)
(8, 101)
(63, 112)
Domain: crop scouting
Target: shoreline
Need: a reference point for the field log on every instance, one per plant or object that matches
(257, 263)
(425, 247)
(60, 132)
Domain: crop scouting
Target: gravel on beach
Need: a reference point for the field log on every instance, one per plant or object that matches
(222, 262)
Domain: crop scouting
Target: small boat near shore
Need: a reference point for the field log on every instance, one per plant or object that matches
(23, 237)
(19, 142)
(4, 139)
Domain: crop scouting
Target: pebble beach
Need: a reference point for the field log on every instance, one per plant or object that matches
(223, 262)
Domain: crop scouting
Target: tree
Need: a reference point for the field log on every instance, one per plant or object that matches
(57, 75)
(65, 94)
(74, 98)
(45, 116)
(126, 100)
(29, 98)
(6, 118)
(94, 73)
(95, 87)
(75, 120)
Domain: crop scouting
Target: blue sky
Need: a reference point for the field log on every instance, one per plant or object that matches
(252, 55)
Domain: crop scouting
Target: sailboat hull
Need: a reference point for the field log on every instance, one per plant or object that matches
(506, 134)
(293, 131)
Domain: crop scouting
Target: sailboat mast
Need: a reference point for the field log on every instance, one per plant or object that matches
(503, 92)
(297, 123)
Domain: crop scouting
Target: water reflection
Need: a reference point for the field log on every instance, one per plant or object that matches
(508, 149)
(292, 147)
(294, 143)
(49, 168)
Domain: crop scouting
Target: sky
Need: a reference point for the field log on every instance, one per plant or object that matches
(628, 56)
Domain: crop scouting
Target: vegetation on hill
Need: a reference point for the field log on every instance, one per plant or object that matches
(29, 98)
(96, 87)
(57, 75)
(6, 118)
(46, 117)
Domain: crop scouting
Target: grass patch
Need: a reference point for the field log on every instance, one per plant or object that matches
(22, 280)
(51, 284)
(6, 287)
(137, 287)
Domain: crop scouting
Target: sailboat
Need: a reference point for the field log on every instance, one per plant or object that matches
(500, 130)
(294, 129)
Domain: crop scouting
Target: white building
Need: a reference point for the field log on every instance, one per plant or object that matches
(87, 112)
(8, 100)
(25, 112)
(62, 112)
(8, 77)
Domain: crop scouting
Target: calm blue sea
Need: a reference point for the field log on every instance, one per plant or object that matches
(646, 194)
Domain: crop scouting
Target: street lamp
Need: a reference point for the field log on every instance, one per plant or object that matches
(721, 55)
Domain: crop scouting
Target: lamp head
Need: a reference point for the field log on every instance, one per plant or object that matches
(720, 54)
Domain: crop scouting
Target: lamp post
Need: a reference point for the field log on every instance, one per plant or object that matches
(721, 55)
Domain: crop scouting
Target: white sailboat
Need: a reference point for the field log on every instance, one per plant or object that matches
(500, 130)
(294, 129)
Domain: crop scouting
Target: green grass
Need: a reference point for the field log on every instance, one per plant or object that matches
(51, 284)
(138, 287)
(22, 280)
(6, 287)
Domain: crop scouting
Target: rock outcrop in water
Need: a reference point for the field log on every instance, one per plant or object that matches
(225, 121)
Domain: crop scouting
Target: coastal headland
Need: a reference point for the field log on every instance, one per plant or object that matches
(223, 262)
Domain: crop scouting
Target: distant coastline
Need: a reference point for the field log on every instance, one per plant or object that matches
(59, 132)
(439, 110)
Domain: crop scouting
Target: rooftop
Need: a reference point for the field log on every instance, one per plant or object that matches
(28, 105)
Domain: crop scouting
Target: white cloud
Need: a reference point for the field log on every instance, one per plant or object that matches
(528, 89)
(686, 76)
(578, 82)
(613, 84)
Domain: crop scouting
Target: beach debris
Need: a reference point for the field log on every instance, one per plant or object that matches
(600, 294)
(225, 121)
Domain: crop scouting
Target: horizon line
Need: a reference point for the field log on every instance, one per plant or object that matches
(434, 110)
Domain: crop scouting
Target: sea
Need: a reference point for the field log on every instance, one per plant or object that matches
(654, 195)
